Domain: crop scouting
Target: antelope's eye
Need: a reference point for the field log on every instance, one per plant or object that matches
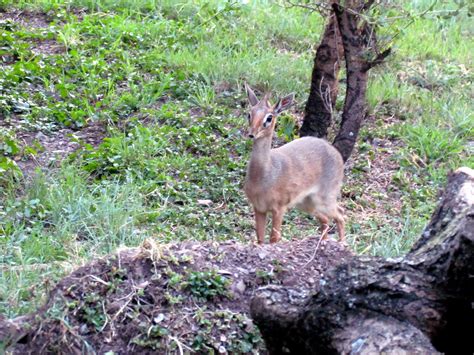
(267, 120)
(248, 116)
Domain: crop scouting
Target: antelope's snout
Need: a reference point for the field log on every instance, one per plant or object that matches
(251, 133)
(256, 129)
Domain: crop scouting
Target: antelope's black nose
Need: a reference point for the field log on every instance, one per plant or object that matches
(251, 136)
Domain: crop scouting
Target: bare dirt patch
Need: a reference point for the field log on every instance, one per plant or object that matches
(35, 21)
(52, 147)
(47, 47)
(144, 300)
(28, 19)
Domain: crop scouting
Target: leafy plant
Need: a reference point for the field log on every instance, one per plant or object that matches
(9, 148)
(152, 336)
(287, 127)
(207, 284)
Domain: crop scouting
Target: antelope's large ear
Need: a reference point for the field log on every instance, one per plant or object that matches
(251, 95)
(284, 103)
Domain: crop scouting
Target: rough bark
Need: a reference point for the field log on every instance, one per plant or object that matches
(445, 251)
(419, 304)
(359, 43)
(324, 83)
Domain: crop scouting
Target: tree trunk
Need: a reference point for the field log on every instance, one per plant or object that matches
(324, 83)
(419, 304)
(359, 43)
(346, 35)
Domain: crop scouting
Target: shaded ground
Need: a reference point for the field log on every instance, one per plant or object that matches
(180, 297)
(31, 19)
(57, 145)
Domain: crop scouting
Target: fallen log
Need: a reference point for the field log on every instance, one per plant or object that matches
(421, 303)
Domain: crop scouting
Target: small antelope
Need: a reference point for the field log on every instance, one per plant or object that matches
(306, 173)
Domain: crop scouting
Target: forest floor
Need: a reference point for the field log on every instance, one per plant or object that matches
(122, 128)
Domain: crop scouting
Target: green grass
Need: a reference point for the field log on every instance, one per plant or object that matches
(165, 79)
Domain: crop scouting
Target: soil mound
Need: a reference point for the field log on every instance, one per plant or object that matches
(173, 298)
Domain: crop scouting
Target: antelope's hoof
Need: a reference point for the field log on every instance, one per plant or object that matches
(343, 242)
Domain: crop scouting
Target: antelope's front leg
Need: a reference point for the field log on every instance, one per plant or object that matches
(277, 219)
(260, 223)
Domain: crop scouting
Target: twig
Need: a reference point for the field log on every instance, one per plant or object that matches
(180, 345)
(106, 318)
(231, 7)
(326, 97)
(320, 7)
(314, 253)
(95, 278)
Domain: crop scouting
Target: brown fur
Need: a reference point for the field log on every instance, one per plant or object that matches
(306, 173)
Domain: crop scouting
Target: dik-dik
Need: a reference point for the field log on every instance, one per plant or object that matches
(306, 173)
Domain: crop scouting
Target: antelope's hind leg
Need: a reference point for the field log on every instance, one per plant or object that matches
(324, 225)
(312, 204)
(340, 224)
(260, 222)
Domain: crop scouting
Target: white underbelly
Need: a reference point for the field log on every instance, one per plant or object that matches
(269, 200)
(306, 200)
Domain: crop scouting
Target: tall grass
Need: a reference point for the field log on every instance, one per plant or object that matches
(58, 224)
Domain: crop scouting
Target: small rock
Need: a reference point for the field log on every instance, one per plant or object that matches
(290, 281)
(159, 318)
(83, 329)
(206, 203)
(143, 284)
(41, 136)
(240, 286)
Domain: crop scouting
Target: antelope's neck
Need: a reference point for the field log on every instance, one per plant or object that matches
(260, 161)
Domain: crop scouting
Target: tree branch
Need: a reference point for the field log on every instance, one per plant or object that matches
(378, 60)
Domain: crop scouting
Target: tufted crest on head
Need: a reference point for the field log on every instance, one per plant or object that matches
(281, 105)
